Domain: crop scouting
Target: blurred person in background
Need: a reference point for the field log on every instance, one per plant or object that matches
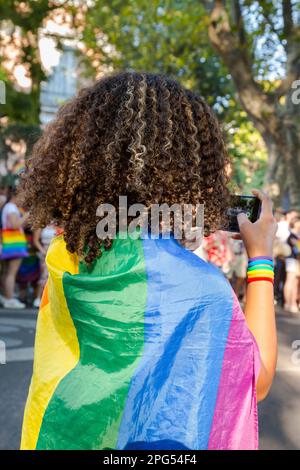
(14, 248)
(42, 239)
(29, 272)
(283, 222)
(282, 250)
(291, 287)
(3, 199)
(218, 250)
(238, 269)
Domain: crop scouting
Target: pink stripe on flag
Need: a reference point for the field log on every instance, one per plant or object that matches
(235, 422)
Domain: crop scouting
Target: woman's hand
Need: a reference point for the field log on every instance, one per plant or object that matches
(259, 236)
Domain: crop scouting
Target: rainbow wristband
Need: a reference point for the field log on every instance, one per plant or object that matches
(260, 268)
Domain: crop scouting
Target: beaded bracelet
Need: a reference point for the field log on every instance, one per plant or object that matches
(260, 268)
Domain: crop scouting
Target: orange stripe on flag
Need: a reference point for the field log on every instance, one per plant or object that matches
(45, 298)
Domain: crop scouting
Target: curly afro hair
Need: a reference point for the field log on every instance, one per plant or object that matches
(139, 135)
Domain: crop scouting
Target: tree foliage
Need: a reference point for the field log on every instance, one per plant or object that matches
(241, 55)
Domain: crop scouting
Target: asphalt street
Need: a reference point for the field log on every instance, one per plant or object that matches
(279, 413)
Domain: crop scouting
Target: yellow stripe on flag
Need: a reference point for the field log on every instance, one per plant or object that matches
(56, 344)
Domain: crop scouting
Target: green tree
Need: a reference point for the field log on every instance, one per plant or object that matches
(20, 23)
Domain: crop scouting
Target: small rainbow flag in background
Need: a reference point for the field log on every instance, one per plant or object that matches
(19, 167)
(146, 349)
(297, 248)
(14, 244)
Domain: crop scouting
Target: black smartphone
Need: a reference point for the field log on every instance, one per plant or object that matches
(250, 205)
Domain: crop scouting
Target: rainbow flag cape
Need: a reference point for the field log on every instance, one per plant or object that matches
(146, 349)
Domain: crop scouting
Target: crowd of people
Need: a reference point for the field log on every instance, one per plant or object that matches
(24, 271)
(23, 251)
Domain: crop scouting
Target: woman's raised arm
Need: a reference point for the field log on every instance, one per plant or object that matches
(259, 310)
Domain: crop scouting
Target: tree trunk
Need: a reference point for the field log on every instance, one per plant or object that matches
(283, 145)
(283, 172)
(278, 124)
(274, 177)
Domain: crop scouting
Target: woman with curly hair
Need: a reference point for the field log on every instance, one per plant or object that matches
(140, 344)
